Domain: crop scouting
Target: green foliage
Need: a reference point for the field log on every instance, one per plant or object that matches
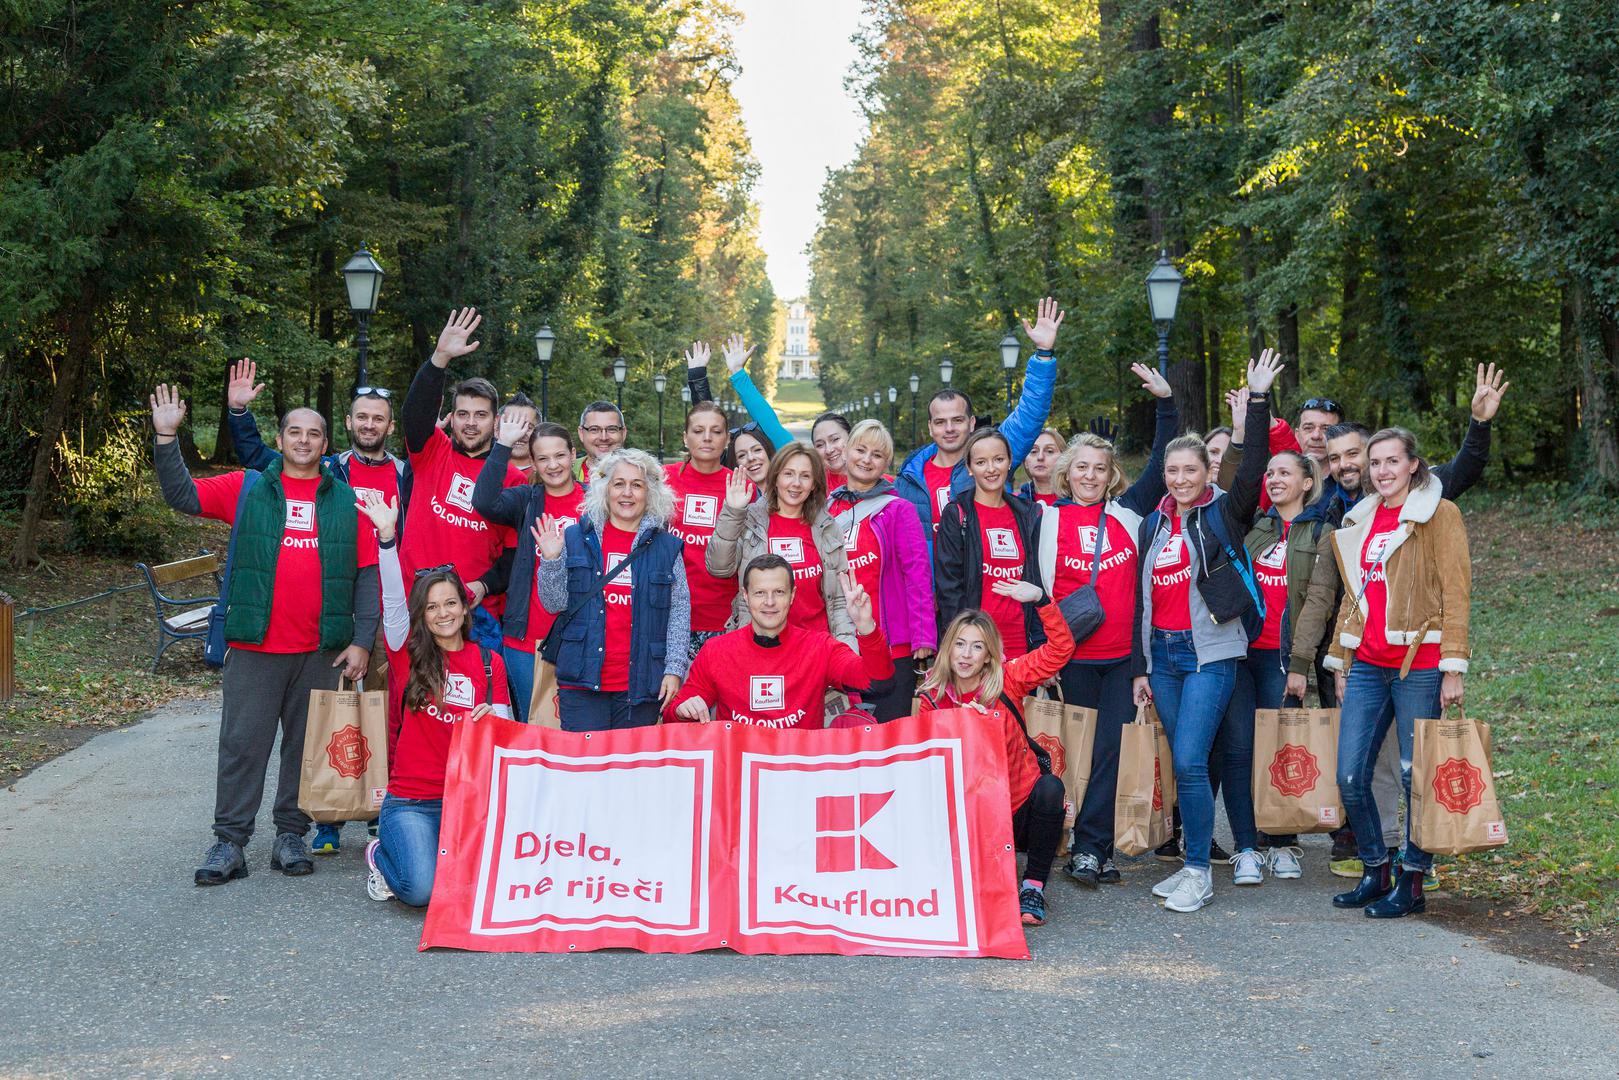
(116, 508)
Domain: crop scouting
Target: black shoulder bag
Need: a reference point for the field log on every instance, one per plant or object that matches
(553, 641)
(1082, 608)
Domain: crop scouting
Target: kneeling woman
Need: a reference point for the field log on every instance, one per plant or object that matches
(449, 679)
(972, 671)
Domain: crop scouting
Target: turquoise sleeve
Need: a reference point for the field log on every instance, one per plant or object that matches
(760, 409)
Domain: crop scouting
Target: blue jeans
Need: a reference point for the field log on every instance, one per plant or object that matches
(1103, 685)
(1259, 685)
(594, 710)
(486, 629)
(1374, 698)
(520, 674)
(408, 853)
(1191, 701)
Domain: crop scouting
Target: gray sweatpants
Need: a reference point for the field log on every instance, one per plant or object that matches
(265, 692)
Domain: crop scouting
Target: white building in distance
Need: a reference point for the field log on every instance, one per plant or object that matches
(800, 355)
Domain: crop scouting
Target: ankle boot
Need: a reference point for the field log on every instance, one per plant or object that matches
(1374, 885)
(1404, 899)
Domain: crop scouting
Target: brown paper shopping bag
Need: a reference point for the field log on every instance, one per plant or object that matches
(1145, 801)
(1068, 734)
(345, 767)
(1296, 771)
(543, 710)
(1454, 808)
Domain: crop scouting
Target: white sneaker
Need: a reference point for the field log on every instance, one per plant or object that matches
(1284, 863)
(1195, 890)
(376, 886)
(1249, 867)
(1167, 886)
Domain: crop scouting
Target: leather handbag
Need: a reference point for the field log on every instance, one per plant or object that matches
(1082, 608)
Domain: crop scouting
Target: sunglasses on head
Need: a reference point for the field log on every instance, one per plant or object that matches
(1322, 404)
(447, 568)
(373, 391)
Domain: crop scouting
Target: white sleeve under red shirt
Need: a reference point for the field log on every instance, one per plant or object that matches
(1374, 643)
(937, 480)
(1003, 561)
(423, 744)
(441, 527)
(1115, 586)
(565, 508)
(793, 540)
(698, 499)
(782, 685)
(1171, 581)
(1270, 571)
(295, 604)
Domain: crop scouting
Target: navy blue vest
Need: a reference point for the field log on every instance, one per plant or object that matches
(584, 639)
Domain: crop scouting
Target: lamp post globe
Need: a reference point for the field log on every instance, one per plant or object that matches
(947, 368)
(545, 343)
(1163, 297)
(362, 279)
(620, 371)
(916, 385)
(659, 384)
(1009, 354)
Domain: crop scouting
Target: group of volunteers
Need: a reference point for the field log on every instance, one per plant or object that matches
(507, 565)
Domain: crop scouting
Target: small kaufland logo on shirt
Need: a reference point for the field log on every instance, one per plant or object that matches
(460, 491)
(625, 580)
(852, 541)
(1275, 558)
(1002, 543)
(363, 494)
(766, 692)
(1377, 547)
(458, 691)
(702, 510)
(1087, 540)
(943, 496)
(300, 515)
(790, 548)
(1169, 555)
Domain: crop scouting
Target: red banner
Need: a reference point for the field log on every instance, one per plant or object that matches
(889, 839)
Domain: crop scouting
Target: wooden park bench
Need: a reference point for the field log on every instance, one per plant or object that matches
(181, 618)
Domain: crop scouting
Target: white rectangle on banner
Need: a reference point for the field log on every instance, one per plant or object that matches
(869, 847)
(575, 843)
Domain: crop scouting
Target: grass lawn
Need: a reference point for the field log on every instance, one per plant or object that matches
(798, 401)
(1545, 642)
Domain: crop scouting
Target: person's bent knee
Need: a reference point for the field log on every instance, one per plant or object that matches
(413, 893)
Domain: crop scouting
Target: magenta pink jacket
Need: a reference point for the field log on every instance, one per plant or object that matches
(906, 604)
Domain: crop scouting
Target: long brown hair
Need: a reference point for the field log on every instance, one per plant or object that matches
(941, 675)
(425, 682)
(817, 496)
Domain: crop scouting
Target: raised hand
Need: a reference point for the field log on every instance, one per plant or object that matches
(736, 352)
(1151, 381)
(168, 411)
(1024, 592)
(697, 356)
(384, 515)
(738, 490)
(514, 428)
(1488, 393)
(1239, 414)
(1262, 372)
(452, 340)
(1048, 319)
(1103, 428)
(547, 534)
(858, 603)
(694, 709)
(241, 388)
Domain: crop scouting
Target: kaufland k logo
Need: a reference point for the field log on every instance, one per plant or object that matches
(458, 691)
(1002, 543)
(460, 491)
(1275, 558)
(701, 510)
(766, 693)
(300, 516)
(790, 548)
(1169, 555)
(1087, 540)
(839, 844)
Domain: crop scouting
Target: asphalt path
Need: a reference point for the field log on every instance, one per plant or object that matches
(113, 964)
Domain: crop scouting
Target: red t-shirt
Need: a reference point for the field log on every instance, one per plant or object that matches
(793, 540)
(1374, 644)
(616, 546)
(295, 603)
(1046, 499)
(1270, 569)
(1172, 581)
(441, 526)
(1115, 586)
(782, 685)
(699, 498)
(1003, 561)
(565, 508)
(423, 744)
(937, 480)
(835, 480)
(383, 479)
(865, 557)
(836, 505)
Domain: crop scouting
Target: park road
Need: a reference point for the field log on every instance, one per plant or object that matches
(116, 965)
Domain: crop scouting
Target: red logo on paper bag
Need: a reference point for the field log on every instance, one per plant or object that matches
(1458, 785)
(839, 845)
(1294, 771)
(1053, 746)
(348, 752)
(1157, 787)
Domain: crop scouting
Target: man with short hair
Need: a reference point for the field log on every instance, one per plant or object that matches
(298, 607)
(935, 473)
(776, 675)
(442, 528)
(601, 431)
(1316, 415)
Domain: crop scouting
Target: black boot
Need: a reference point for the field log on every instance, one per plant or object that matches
(1404, 899)
(1374, 885)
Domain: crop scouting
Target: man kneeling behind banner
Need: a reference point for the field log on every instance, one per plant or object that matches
(887, 839)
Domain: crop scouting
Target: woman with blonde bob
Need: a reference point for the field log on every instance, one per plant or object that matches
(972, 672)
(790, 520)
(1093, 494)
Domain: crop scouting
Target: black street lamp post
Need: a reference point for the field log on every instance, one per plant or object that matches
(946, 369)
(660, 383)
(893, 408)
(545, 342)
(916, 385)
(1163, 296)
(620, 370)
(362, 278)
(1009, 351)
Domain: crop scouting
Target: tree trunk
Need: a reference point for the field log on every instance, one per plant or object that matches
(69, 377)
(1394, 295)
(1287, 343)
(1212, 380)
(224, 442)
(1598, 347)
(1187, 377)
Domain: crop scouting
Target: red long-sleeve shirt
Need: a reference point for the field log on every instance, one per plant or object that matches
(783, 684)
